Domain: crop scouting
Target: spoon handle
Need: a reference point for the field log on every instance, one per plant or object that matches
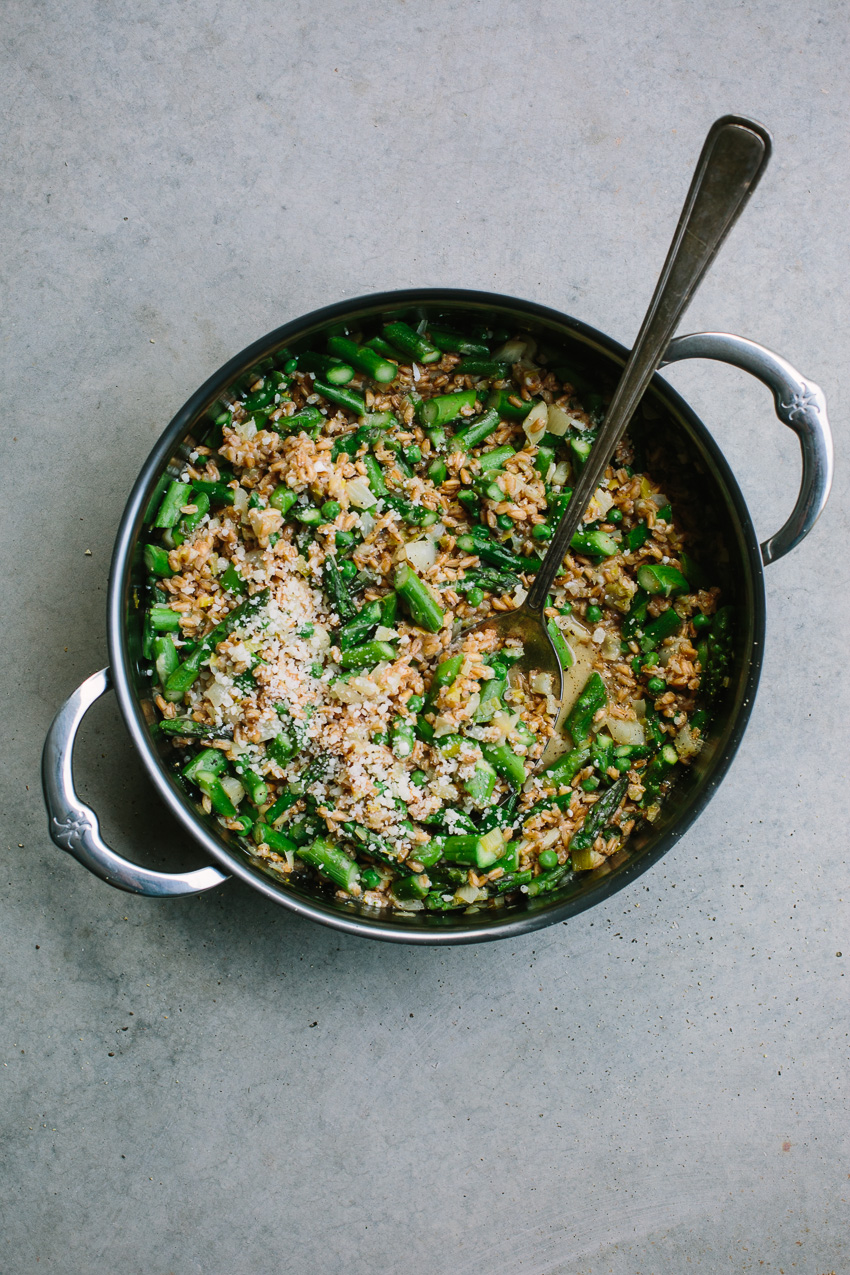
(733, 158)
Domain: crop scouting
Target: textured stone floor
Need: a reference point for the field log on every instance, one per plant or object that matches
(214, 1085)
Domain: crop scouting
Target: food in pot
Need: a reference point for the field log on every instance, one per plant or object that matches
(316, 570)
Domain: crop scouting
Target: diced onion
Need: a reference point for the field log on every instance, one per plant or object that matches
(686, 743)
(601, 503)
(504, 724)
(543, 684)
(492, 840)
(421, 554)
(233, 788)
(356, 689)
(359, 493)
(469, 893)
(240, 499)
(558, 421)
(611, 646)
(535, 423)
(569, 624)
(561, 474)
(516, 350)
(625, 732)
(561, 420)
(217, 694)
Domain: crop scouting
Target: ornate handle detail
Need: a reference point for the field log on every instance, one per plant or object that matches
(74, 826)
(800, 404)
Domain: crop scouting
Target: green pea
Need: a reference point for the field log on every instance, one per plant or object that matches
(348, 570)
(416, 703)
(413, 455)
(622, 764)
(656, 685)
(475, 597)
(548, 858)
(566, 609)
(290, 366)
(419, 778)
(344, 539)
(330, 509)
(370, 879)
(615, 515)
(590, 784)
(381, 738)
(700, 621)
(504, 522)
(593, 614)
(542, 531)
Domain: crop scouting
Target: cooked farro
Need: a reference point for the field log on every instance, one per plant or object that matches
(313, 571)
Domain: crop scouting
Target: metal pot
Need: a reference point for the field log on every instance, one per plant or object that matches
(799, 404)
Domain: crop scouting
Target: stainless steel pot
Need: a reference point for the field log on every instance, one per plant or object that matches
(799, 404)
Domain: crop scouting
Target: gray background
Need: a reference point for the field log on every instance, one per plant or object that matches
(214, 1085)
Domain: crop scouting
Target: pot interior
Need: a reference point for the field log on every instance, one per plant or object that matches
(679, 453)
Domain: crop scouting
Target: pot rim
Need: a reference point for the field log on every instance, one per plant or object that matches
(317, 909)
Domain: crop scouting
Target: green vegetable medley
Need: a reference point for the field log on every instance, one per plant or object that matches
(315, 573)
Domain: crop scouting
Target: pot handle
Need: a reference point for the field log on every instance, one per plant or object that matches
(74, 826)
(800, 404)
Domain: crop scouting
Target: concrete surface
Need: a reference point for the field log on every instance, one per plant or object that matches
(213, 1085)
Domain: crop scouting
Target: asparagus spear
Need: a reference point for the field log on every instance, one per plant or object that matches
(335, 371)
(362, 357)
(184, 676)
(441, 409)
(474, 434)
(456, 343)
(599, 816)
(424, 608)
(337, 589)
(593, 697)
(349, 399)
(331, 862)
(403, 337)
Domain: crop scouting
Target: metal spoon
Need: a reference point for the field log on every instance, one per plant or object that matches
(733, 159)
